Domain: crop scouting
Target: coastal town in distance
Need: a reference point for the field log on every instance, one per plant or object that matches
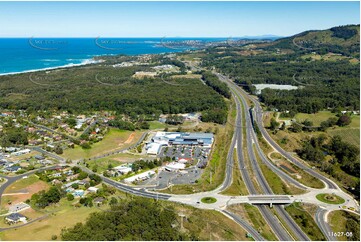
(248, 130)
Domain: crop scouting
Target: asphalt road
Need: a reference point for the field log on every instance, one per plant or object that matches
(258, 119)
(12, 179)
(321, 222)
(277, 228)
(256, 236)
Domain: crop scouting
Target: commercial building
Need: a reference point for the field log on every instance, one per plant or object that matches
(175, 166)
(179, 138)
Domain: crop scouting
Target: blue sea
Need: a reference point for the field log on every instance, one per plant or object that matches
(30, 54)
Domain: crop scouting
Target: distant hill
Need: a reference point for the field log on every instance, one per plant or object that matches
(343, 40)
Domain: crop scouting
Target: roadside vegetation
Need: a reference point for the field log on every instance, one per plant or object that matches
(252, 215)
(305, 221)
(237, 187)
(277, 185)
(346, 224)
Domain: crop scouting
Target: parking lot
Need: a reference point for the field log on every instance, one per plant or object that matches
(198, 154)
(167, 178)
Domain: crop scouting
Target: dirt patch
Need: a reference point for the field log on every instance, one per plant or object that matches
(130, 138)
(31, 189)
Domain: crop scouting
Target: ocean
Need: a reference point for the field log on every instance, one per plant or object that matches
(29, 54)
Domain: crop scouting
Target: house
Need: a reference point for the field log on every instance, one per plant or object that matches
(69, 178)
(93, 189)
(12, 168)
(15, 218)
(83, 182)
(78, 193)
(58, 174)
(122, 169)
(39, 157)
(69, 172)
(98, 200)
(56, 182)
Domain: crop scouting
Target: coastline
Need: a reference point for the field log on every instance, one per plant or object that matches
(83, 63)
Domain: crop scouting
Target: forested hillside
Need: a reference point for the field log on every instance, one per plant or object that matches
(327, 80)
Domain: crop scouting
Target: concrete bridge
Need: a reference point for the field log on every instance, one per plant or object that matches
(270, 199)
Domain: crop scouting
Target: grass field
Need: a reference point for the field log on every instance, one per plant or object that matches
(156, 125)
(316, 118)
(305, 221)
(115, 139)
(251, 214)
(350, 133)
(338, 221)
(351, 136)
(67, 216)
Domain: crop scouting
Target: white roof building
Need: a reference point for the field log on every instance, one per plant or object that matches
(122, 169)
(93, 189)
(140, 177)
(175, 166)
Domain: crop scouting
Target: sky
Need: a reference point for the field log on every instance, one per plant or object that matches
(171, 19)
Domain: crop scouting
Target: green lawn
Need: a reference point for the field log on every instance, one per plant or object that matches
(115, 139)
(350, 133)
(156, 125)
(316, 118)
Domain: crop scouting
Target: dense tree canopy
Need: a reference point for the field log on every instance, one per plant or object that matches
(140, 219)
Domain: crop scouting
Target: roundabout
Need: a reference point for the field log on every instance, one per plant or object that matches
(208, 200)
(330, 198)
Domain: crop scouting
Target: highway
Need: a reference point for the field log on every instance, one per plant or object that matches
(258, 111)
(277, 228)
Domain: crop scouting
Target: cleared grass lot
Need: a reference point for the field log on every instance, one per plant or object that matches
(316, 118)
(113, 140)
(66, 216)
